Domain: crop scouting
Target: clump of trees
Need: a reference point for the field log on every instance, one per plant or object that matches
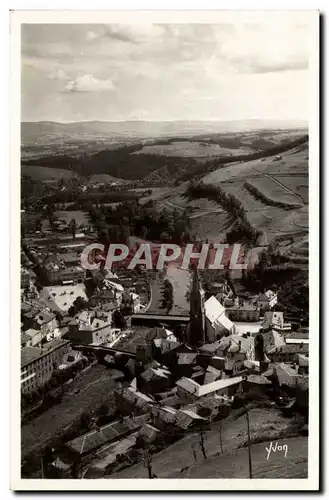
(115, 224)
(242, 229)
(78, 305)
(265, 199)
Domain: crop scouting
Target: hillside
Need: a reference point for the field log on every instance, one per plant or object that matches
(265, 425)
(273, 191)
(177, 159)
(41, 173)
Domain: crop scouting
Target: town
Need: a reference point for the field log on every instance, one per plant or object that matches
(123, 381)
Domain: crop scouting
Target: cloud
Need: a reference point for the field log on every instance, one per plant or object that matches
(91, 35)
(120, 33)
(58, 74)
(259, 66)
(88, 83)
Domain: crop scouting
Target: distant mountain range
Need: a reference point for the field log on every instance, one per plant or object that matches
(33, 131)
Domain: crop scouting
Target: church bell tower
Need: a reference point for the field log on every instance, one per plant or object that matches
(197, 326)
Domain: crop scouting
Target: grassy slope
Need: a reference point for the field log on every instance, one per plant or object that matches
(265, 424)
(95, 385)
(40, 173)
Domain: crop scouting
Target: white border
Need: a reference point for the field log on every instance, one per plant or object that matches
(186, 16)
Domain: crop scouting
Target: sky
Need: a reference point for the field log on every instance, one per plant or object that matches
(117, 72)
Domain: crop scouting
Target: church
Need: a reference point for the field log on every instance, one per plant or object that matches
(208, 321)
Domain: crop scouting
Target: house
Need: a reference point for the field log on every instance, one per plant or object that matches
(163, 333)
(38, 323)
(287, 353)
(155, 379)
(26, 276)
(217, 323)
(190, 390)
(302, 362)
(104, 297)
(274, 320)
(93, 440)
(70, 359)
(37, 364)
(272, 338)
(131, 399)
(32, 337)
(149, 433)
(45, 321)
(298, 336)
(237, 347)
(57, 273)
(164, 414)
(257, 383)
(267, 300)
(185, 418)
(241, 310)
(26, 340)
(91, 327)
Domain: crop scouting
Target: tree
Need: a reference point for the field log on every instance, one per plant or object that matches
(73, 227)
(78, 305)
(119, 320)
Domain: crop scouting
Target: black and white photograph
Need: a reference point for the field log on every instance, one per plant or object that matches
(167, 248)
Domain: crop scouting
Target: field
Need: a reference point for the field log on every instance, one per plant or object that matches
(79, 216)
(39, 173)
(282, 179)
(193, 149)
(273, 189)
(104, 178)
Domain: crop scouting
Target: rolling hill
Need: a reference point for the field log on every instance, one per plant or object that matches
(277, 205)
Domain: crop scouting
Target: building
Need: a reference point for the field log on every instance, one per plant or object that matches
(38, 364)
(59, 274)
(115, 431)
(217, 323)
(273, 320)
(91, 327)
(287, 353)
(267, 300)
(196, 334)
(241, 310)
(106, 298)
(236, 347)
(71, 358)
(32, 337)
(189, 390)
(38, 322)
(26, 276)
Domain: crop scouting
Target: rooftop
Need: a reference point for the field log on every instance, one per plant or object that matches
(193, 387)
(29, 354)
(215, 313)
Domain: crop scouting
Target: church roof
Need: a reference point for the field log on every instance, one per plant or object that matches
(215, 313)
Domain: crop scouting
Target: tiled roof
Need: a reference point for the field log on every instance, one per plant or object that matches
(96, 438)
